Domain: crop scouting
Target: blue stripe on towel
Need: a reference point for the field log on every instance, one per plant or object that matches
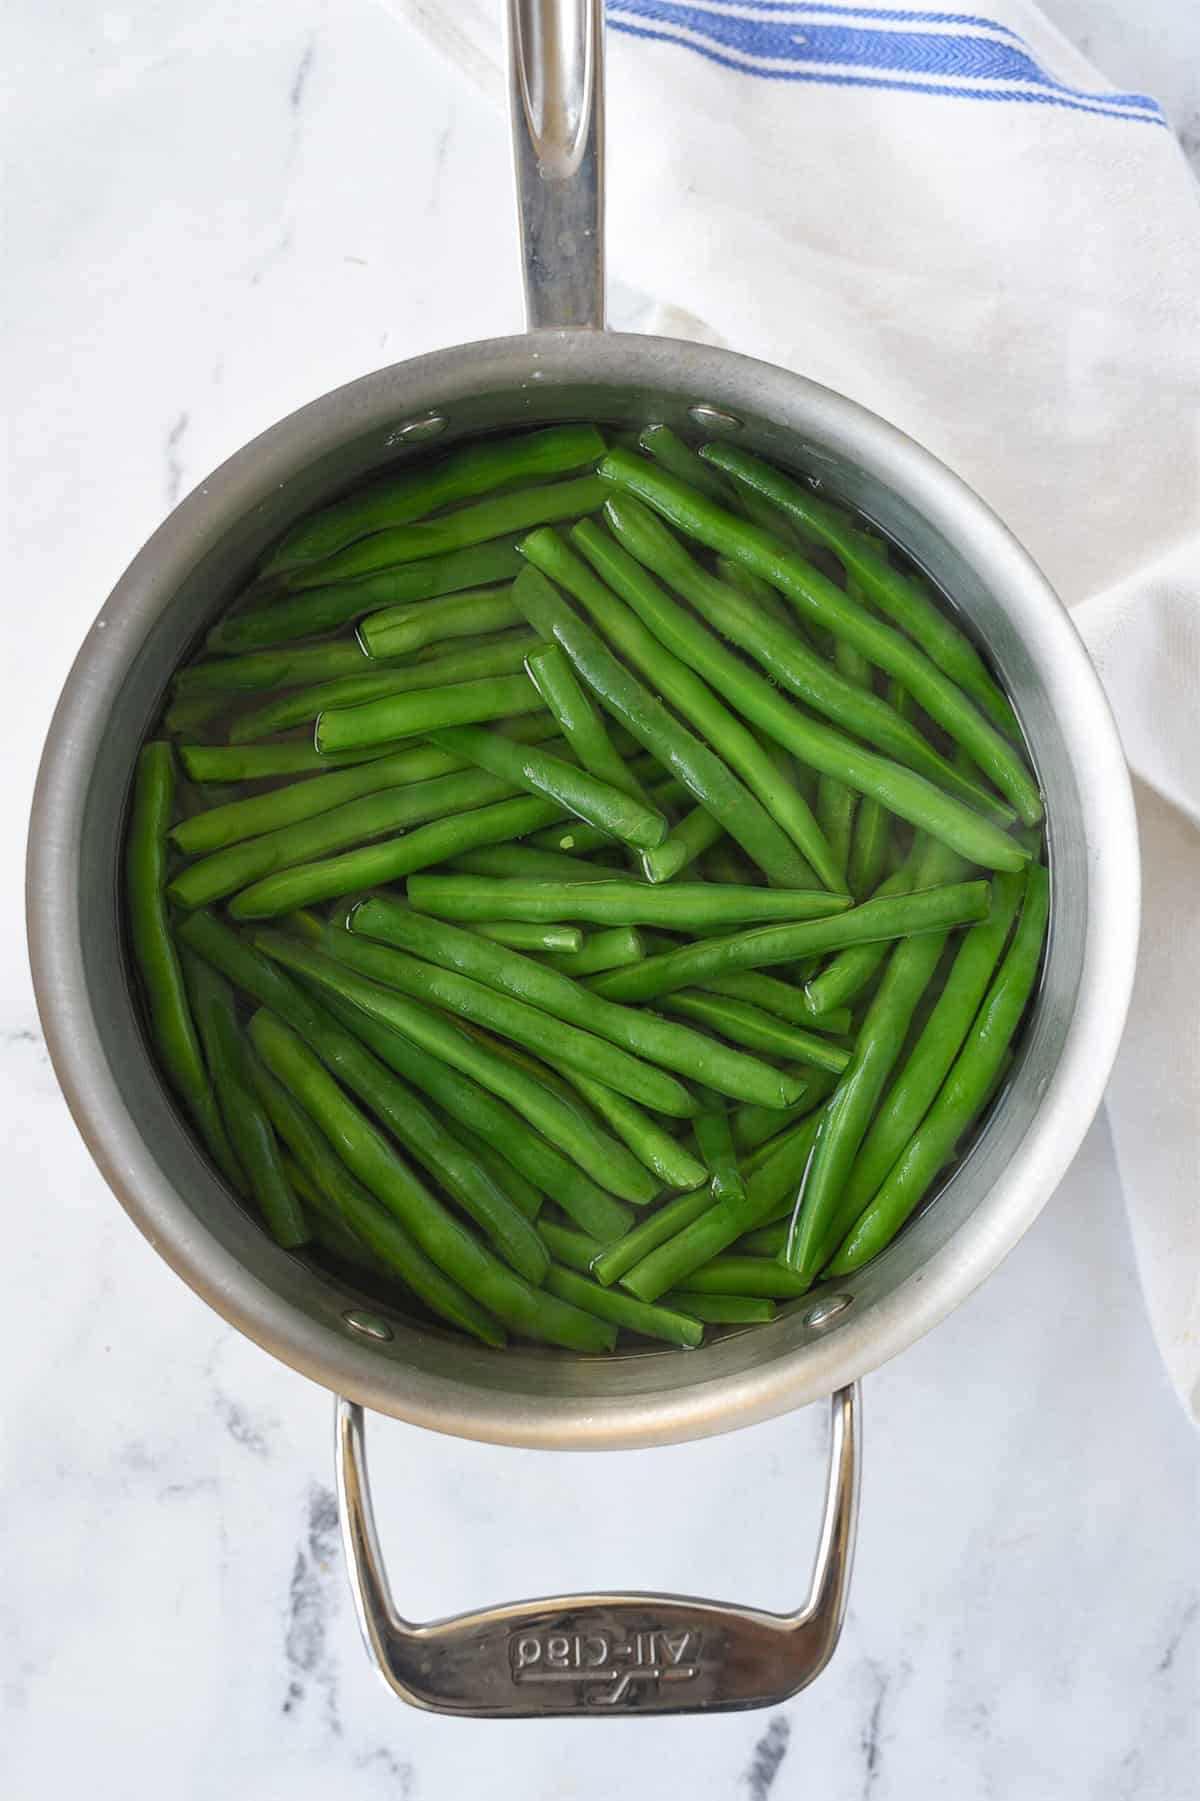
(861, 54)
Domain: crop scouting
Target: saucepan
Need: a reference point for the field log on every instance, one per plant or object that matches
(584, 1654)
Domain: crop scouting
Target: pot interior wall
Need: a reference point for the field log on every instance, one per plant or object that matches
(183, 580)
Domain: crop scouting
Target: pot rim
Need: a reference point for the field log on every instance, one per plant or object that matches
(849, 1347)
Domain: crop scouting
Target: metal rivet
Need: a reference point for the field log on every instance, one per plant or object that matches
(713, 417)
(415, 431)
(368, 1324)
(825, 1310)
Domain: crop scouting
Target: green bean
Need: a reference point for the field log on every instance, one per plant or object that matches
(255, 670)
(385, 1206)
(753, 587)
(759, 511)
(622, 600)
(651, 1230)
(377, 1087)
(752, 1125)
(872, 826)
(461, 1174)
(526, 863)
(582, 840)
(502, 656)
(249, 1128)
(965, 1091)
(622, 1310)
(303, 614)
(170, 1018)
(937, 1044)
(773, 996)
(660, 442)
(565, 1126)
(240, 819)
(817, 599)
(878, 1045)
(192, 712)
(236, 820)
(722, 1309)
(846, 975)
(764, 1241)
(342, 1195)
(582, 726)
(562, 1044)
(899, 788)
(682, 906)
(521, 935)
(568, 1245)
(715, 1142)
(399, 631)
(422, 1135)
(578, 840)
(758, 1031)
(866, 561)
(613, 949)
(835, 816)
(425, 711)
(611, 810)
(837, 804)
(708, 778)
(524, 1196)
(749, 1278)
(694, 834)
(597, 851)
(774, 1174)
(332, 877)
(374, 815)
(325, 1224)
(875, 920)
(723, 868)
(443, 1238)
(782, 652)
(663, 1042)
(236, 958)
(398, 499)
(790, 768)
(488, 1119)
(469, 1105)
(258, 762)
(495, 518)
(663, 1155)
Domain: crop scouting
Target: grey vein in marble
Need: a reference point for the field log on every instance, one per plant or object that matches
(768, 1757)
(174, 461)
(1187, 1619)
(312, 1600)
(300, 78)
(251, 1432)
(872, 1747)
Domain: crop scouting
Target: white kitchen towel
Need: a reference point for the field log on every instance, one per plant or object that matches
(953, 218)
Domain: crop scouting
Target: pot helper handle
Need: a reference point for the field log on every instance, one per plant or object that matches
(556, 100)
(598, 1655)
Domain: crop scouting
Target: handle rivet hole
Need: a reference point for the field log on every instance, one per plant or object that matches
(826, 1310)
(712, 418)
(415, 431)
(368, 1325)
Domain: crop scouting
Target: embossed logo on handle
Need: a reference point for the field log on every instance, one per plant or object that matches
(607, 1665)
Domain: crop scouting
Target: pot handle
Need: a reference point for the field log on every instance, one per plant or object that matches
(556, 98)
(603, 1654)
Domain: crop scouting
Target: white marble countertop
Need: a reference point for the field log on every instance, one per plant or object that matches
(215, 215)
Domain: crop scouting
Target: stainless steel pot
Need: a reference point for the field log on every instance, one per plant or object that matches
(611, 1653)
